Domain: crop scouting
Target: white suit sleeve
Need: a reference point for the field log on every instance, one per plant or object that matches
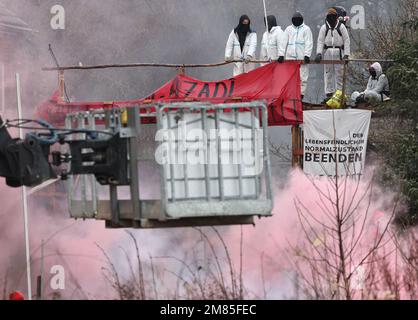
(263, 51)
(321, 40)
(229, 46)
(282, 45)
(381, 84)
(346, 39)
(253, 45)
(308, 42)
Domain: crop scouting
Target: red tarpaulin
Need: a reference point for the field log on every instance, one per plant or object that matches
(277, 84)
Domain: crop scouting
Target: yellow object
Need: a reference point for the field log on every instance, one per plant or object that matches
(336, 101)
(124, 118)
(317, 242)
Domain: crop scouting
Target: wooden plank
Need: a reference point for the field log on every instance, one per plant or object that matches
(61, 84)
(294, 159)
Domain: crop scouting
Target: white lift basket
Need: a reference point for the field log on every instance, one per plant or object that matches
(202, 164)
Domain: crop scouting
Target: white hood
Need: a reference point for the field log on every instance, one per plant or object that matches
(377, 66)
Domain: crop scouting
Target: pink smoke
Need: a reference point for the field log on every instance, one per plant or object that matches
(273, 240)
(267, 246)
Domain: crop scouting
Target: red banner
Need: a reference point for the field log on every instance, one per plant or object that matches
(277, 84)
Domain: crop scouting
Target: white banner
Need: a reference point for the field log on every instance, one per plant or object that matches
(335, 142)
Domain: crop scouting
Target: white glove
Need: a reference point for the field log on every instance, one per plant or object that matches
(228, 59)
(248, 59)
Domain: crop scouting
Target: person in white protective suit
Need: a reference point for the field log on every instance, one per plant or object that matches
(377, 88)
(298, 45)
(242, 45)
(333, 44)
(272, 41)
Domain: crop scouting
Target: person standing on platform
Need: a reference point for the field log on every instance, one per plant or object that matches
(333, 44)
(242, 45)
(298, 45)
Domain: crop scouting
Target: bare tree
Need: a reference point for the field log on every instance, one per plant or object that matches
(336, 243)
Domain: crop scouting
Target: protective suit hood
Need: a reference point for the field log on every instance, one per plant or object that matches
(378, 68)
(297, 19)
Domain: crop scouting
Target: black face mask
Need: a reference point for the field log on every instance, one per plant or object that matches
(297, 21)
(373, 73)
(332, 19)
(243, 28)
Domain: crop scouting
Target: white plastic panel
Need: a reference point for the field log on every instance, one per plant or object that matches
(189, 178)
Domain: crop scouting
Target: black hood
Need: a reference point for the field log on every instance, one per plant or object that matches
(272, 22)
(243, 28)
(297, 19)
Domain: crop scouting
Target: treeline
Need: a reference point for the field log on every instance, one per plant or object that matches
(395, 136)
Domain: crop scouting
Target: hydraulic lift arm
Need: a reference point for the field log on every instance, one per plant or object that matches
(23, 162)
(29, 162)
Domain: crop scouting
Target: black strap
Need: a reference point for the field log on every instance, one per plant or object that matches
(341, 48)
(333, 47)
(338, 29)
